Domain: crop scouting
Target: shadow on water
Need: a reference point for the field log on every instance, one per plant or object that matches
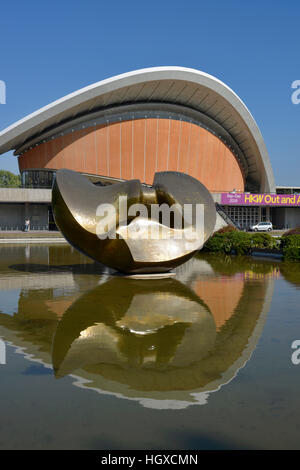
(37, 370)
(202, 441)
(91, 268)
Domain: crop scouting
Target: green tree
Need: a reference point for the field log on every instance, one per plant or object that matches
(9, 179)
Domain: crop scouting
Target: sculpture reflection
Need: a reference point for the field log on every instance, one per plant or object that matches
(166, 343)
(134, 348)
(148, 327)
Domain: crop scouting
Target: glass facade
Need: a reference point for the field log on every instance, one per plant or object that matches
(287, 190)
(243, 216)
(37, 178)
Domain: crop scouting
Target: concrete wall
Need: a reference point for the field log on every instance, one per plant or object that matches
(25, 195)
(220, 223)
(12, 216)
(286, 217)
(292, 217)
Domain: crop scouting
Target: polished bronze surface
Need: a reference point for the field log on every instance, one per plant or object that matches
(133, 249)
(149, 325)
(162, 343)
(155, 340)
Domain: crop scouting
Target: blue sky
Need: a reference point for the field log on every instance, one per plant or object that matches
(49, 49)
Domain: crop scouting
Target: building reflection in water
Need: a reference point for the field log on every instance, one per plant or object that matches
(167, 343)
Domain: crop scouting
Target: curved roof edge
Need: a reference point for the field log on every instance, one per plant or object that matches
(191, 87)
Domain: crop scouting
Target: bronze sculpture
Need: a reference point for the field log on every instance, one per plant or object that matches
(145, 243)
(148, 327)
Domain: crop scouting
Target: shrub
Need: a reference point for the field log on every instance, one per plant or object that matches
(218, 244)
(9, 179)
(227, 242)
(292, 253)
(227, 229)
(292, 231)
(290, 240)
(264, 240)
(290, 245)
(240, 243)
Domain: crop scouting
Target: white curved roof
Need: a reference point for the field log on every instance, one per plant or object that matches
(177, 85)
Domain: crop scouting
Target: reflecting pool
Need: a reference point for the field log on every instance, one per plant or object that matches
(201, 360)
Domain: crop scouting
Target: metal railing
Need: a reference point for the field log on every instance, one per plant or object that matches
(2, 186)
(226, 216)
(18, 228)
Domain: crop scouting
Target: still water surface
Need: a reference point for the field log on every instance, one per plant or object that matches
(98, 361)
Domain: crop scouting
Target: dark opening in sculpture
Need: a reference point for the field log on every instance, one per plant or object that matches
(133, 227)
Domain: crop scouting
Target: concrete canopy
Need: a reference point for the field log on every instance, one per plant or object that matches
(175, 85)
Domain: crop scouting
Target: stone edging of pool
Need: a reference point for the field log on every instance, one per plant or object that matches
(31, 237)
(266, 254)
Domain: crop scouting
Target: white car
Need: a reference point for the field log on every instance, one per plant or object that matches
(262, 227)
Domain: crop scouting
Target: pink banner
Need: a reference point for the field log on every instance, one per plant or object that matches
(244, 199)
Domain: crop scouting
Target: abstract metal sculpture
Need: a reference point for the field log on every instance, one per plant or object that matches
(147, 327)
(121, 239)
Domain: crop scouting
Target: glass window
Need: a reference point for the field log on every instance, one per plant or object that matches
(37, 178)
